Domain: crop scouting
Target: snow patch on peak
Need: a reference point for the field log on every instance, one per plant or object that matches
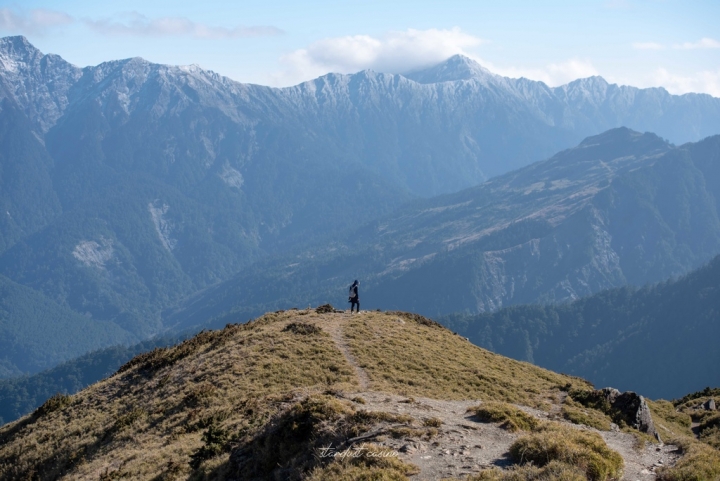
(192, 68)
(8, 63)
(163, 226)
(457, 67)
(94, 254)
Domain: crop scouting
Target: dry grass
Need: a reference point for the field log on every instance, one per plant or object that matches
(579, 414)
(369, 462)
(511, 418)
(699, 463)
(584, 450)
(147, 420)
(417, 357)
(668, 412)
(298, 440)
(553, 471)
(710, 431)
(203, 399)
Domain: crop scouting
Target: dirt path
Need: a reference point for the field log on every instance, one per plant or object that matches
(337, 333)
(465, 446)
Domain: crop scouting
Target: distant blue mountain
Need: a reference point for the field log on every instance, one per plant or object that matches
(620, 208)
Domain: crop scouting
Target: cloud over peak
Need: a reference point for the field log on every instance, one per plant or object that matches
(393, 52)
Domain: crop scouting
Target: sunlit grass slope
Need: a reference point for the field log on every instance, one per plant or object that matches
(269, 388)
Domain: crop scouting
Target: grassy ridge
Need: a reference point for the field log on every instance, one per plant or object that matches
(274, 389)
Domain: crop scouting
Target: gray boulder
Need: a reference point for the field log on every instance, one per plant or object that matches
(630, 407)
(710, 405)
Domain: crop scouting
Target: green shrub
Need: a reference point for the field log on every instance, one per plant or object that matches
(55, 403)
(215, 442)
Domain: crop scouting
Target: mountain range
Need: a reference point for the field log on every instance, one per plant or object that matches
(147, 197)
(620, 208)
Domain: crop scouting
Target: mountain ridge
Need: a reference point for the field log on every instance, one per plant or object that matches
(556, 230)
(212, 405)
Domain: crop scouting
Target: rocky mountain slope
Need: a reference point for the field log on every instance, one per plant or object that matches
(406, 396)
(659, 340)
(619, 208)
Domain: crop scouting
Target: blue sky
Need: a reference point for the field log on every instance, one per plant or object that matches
(637, 42)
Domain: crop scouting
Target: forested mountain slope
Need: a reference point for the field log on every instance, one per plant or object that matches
(621, 207)
(660, 339)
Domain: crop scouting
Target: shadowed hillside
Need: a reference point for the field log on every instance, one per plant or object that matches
(660, 340)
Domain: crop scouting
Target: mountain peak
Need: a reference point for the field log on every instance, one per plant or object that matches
(457, 67)
(625, 135)
(15, 50)
(17, 42)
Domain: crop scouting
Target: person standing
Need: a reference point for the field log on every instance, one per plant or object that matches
(354, 296)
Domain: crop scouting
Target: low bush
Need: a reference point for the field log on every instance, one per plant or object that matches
(215, 442)
(55, 403)
(586, 416)
(302, 328)
(699, 463)
(553, 471)
(582, 449)
(510, 417)
(367, 462)
(710, 431)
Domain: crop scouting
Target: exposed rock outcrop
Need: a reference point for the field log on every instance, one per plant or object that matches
(633, 408)
(627, 407)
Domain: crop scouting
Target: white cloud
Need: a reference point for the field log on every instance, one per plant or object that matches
(648, 46)
(32, 22)
(394, 52)
(702, 43)
(706, 81)
(139, 25)
(553, 74)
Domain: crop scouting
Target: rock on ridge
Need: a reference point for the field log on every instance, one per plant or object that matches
(631, 407)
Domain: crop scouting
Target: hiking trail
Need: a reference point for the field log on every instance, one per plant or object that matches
(337, 333)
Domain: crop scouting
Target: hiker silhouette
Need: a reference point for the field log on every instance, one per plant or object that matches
(354, 296)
